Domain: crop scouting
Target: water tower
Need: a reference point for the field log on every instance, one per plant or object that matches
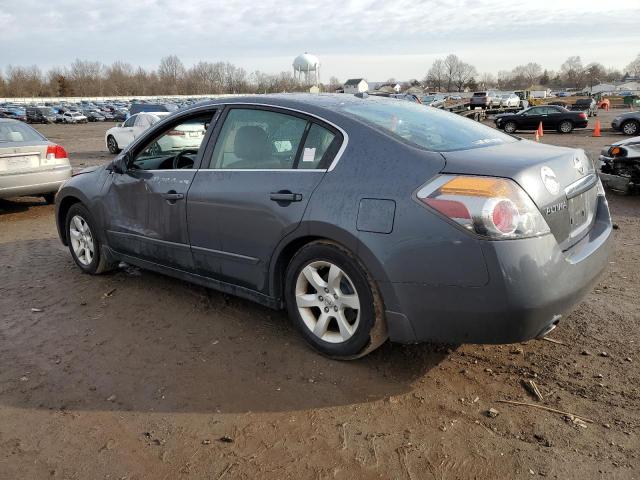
(306, 68)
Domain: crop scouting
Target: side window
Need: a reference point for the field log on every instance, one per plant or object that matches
(258, 139)
(130, 121)
(316, 146)
(142, 121)
(176, 147)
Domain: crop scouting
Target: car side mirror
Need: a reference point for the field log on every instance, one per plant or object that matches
(121, 164)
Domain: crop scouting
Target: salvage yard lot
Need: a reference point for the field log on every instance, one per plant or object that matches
(134, 375)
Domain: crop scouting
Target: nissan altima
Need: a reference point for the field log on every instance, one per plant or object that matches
(365, 218)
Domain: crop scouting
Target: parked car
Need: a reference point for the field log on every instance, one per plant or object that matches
(29, 163)
(40, 115)
(620, 166)
(564, 94)
(552, 118)
(436, 101)
(120, 136)
(93, 115)
(586, 105)
(152, 107)
(73, 117)
(394, 227)
(627, 123)
(19, 114)
(480, 99)
(509, 100)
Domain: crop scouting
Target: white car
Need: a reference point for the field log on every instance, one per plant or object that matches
(188, 135)
(74, 117)
(510, 100)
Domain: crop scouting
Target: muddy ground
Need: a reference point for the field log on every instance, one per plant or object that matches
(134, 375)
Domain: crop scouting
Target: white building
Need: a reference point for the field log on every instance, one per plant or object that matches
(356, 85)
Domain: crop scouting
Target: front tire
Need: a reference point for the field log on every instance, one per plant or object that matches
(84, 246)
(565, 126)
(630, 127)
(510, 127)
(334, 302)
(112, 145)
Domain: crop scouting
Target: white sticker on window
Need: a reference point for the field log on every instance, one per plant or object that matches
(309, 155)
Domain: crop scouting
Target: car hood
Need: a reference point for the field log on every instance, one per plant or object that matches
(88, 170)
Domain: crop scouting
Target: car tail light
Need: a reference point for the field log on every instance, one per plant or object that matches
(583, 115)
(176, 133)
(56, 151)
(491, 207)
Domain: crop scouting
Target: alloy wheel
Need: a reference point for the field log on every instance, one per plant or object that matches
(81, 240)
(630, 128)
(327, 301)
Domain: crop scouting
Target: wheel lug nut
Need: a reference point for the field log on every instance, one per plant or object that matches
(335, 308)
(326, 309)
(320, 298)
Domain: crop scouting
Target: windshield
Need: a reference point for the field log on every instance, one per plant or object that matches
(429, 128)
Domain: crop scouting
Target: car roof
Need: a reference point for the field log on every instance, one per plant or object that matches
(319, 104)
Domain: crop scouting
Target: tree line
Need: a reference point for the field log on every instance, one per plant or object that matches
(85, 78)
(452, 74)
(93, 79)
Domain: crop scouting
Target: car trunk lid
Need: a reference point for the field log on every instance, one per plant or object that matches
(561, 181)
(16, 157)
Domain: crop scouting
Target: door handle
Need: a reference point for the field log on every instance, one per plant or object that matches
(172, 196)
(285, 196)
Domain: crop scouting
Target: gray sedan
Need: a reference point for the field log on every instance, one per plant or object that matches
(29, 163)
(366, 218)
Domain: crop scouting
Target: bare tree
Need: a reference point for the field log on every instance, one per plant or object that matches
(594, 73)
(86, 77)
(171, 73)
(573, 71)
(634, 67)
(436, 76)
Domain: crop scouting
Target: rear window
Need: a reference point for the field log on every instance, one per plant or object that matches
(480, 94)
(429, 128)
(18, 132)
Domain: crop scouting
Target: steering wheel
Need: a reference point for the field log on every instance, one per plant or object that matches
(181, 161)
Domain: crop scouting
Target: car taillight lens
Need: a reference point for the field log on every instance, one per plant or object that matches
(56, 151)
(175, 133)
(491, 207)
(617, 152)
(583, 115)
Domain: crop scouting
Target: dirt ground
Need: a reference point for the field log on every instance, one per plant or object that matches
(134, 375)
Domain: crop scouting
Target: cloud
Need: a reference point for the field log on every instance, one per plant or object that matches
(492, 34)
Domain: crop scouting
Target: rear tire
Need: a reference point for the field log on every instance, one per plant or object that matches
(565, 126)
(334, 302)
(80, 230)
(630, 127)
(112, 145)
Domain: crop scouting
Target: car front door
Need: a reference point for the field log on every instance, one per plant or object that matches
(145, 206)
(532, 118)
(262, 170)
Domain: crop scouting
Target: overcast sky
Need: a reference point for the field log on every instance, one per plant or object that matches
(376, 39)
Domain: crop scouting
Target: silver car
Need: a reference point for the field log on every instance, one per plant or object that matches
(29, 163)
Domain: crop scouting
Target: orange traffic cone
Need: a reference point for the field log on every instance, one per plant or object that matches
(540, 131)
(596, 130)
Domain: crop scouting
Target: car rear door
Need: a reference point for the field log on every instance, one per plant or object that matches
(532, 118)
(258, 178)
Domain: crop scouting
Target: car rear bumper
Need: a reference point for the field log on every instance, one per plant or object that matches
(34, 182)
(532, 285)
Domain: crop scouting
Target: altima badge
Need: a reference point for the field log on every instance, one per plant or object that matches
(549, 179)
